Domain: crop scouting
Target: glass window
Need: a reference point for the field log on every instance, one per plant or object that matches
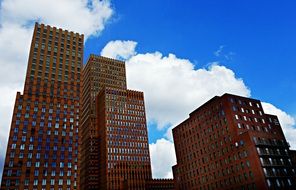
(22, 147)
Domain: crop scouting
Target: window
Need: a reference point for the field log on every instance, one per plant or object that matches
(22, 147)
(31, 147)
(36, 172)
(26, 181)
(248, 163)
(7, 182)
(10, 164)
(251, 174)
(53, 173)
(239, 125)
(9, 172)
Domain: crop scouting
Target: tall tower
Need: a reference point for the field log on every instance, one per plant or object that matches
(97, 73)
(42, 151)
(230, 143)
(100, 75)
(123, 139)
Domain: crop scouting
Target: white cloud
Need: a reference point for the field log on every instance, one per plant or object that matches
(17, 19)
(88, 17)
(173, 88)
(162, 158)
(287, 122)
(119, 49)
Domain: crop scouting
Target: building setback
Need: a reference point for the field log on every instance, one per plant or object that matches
(99, 72)
(42, 151)
(230, 143)
(114, 140)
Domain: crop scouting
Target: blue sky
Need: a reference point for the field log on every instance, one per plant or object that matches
(180, 53)
(261, 35)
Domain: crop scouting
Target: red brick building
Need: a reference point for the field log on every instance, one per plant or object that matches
(114, 148)
(123, 140)
(42, 151)
(230, 143)
(99, 72)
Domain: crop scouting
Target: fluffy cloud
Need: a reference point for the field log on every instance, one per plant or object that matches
(287, 122)
(83, 16)
(162, 158)
(17, 19)
(119, 49)
(173, 88)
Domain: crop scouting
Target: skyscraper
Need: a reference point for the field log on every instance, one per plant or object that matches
(104, 81)
(42, 150)
(123, 139)
(97, 73)
(230, 143)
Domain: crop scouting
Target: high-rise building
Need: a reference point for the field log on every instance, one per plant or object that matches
(42, 151)
(97, 73)
(104, 83)
(124, 151)
(230, 143)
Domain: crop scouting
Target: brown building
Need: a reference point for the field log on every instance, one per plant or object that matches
(97, 73)
(230, 143)
(43, 141)
(160, 184)
(113, 131)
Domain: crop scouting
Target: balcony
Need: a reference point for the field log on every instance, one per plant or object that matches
(271, 143)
